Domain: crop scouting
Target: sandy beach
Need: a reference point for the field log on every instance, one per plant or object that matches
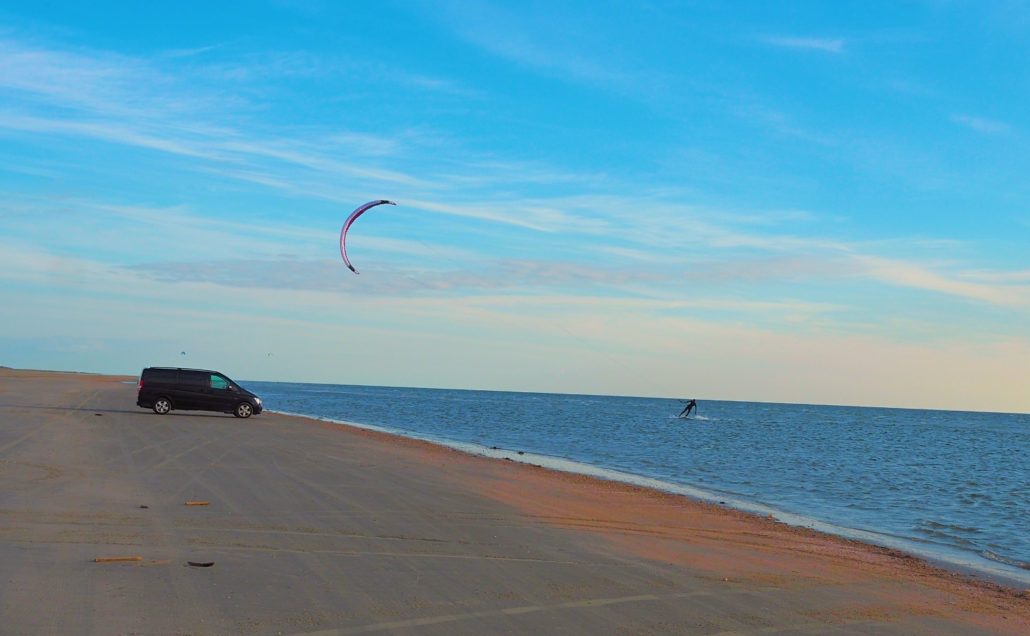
(298, 526)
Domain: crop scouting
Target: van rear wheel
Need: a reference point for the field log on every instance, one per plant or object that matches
(162, 406)
(243, 409)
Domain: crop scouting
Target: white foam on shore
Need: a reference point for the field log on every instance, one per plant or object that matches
(941, 555)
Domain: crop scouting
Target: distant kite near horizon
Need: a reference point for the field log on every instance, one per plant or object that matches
(350, 219)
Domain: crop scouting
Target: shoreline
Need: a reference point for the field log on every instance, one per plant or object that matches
(900, 563)
(691, 495)
(1002, 574)
(317, 527)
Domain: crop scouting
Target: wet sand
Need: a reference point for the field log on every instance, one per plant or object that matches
(315, 528)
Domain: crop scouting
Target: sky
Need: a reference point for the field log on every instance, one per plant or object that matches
(802, 202)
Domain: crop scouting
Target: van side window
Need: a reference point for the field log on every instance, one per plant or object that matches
(160, 375)
(218, 382)
(192, 379)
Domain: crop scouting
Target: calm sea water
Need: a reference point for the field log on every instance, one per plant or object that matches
(951, 486)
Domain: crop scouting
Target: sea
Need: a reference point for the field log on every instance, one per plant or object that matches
(952, 487)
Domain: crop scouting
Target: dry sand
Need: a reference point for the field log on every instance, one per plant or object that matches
(315, 528)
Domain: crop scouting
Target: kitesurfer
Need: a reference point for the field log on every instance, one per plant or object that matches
(691, 406)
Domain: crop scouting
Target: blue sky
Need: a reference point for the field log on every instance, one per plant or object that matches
(802, 202)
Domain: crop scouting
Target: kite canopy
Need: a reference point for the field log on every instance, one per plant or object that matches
(350, 219)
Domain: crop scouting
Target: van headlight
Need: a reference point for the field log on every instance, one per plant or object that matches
(258, 400)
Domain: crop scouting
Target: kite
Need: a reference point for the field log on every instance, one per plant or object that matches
(350, 219)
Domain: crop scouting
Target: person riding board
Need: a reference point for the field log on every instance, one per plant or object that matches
(691, 405)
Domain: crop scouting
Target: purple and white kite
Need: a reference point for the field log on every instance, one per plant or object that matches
(350, 219)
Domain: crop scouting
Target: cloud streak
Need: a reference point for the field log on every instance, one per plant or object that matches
(1013, 292)
(981, 124)
(556, 45)
(917, 276)
(824, 45)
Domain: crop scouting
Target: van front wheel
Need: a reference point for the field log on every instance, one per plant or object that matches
(243, 409)
(162, 406)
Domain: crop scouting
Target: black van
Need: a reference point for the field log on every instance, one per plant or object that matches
(165, 388)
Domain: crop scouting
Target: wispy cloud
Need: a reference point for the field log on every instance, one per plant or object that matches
(133, 234)
(522, 49)
(121, 100)
(191, 52)
(919, 276)
(386, 279)
(550, 43)
(1000, 277)
(1000, 289)
(98, 82)
(981, 124)
(826, 45)
(153, 103)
